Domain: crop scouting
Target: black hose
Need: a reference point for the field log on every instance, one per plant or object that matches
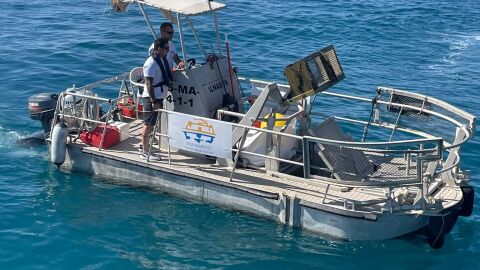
(221, 76)
(374, 101)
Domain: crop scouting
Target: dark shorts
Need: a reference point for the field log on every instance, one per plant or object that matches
(149, 116)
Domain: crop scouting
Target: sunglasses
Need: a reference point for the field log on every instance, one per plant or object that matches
(169, 32)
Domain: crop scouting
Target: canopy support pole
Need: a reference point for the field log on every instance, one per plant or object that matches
(216, 28)
(196, 37)
(147, 20)
(182, 44)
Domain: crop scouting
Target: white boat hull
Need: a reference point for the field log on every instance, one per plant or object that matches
(337, 223)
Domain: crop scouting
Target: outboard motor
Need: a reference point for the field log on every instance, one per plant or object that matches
(42, 107)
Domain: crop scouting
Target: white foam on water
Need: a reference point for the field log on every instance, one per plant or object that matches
(459, 45)
(11, 149)
(8, 137)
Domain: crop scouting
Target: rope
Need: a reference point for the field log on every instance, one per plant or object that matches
(374, 101)
(440, 233)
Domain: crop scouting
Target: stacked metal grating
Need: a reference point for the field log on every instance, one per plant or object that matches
(312, 74)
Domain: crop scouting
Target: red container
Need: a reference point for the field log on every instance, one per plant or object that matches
(126, 111)
(127, 107)
(93, 138)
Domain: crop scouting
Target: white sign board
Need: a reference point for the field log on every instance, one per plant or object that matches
(200, 135)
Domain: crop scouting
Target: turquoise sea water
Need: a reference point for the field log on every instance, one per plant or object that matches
(50, 220)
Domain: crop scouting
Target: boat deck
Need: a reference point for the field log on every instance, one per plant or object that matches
(362, 199)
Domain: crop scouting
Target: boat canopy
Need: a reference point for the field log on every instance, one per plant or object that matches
(184, 7)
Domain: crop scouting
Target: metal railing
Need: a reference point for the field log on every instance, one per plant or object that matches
(384, 148)
(466, 125)
(416, 153)
(112, 104)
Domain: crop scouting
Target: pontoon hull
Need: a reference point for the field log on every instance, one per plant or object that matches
(337, 223)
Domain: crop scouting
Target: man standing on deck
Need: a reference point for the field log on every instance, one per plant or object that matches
(166, 31)
(157, 80)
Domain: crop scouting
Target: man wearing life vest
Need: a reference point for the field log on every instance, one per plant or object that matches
(158, 78)
(166, 31)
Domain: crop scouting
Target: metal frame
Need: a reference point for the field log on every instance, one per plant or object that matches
(422, 180)
(181, 31)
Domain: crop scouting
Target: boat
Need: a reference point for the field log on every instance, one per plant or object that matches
(388, 169)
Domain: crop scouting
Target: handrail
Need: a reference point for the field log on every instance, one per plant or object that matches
(269, 157)
(109, 100)
(359, 144)
(366, 146)
(400, 105)
(463, 114)
(60, 112)
(469, 132)
(416, 132)
(236, 114)
(85, 96)
(320, 140)
(369, 100)
(353, 145)
(424, 155)
(105, 81)
(455, 164)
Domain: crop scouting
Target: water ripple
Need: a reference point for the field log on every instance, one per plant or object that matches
(52, 220)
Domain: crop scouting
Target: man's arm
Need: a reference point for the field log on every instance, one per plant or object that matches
(179, 63)
(151, 93)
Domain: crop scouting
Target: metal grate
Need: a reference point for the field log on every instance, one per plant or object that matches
(314, 73)
(421, 121)
(374, 163)
(394, 164)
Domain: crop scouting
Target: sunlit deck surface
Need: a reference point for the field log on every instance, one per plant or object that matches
(368, 199)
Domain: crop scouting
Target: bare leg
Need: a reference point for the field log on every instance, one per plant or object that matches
(146, 130)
